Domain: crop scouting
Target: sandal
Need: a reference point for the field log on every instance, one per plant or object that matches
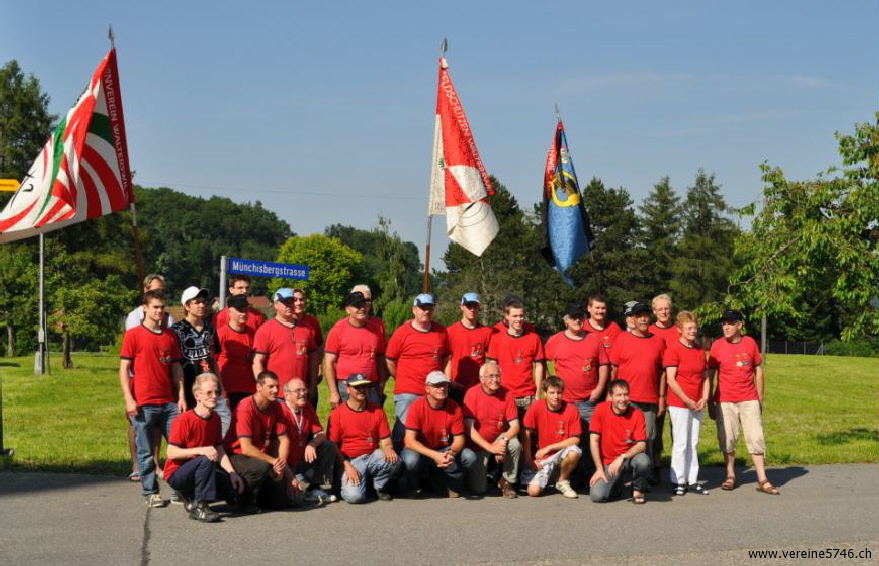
(767, 488)
(729, 484)
(134, 476)
(680, 489)
(638, 498)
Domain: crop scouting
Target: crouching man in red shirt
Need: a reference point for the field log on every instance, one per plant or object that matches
(198, 467)
(618, 441)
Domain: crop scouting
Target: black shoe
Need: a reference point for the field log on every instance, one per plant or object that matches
(201, 512)
(384, 496)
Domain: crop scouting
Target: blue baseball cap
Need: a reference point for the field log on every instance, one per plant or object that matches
(423, 300)
(470, 298)
(283, 294)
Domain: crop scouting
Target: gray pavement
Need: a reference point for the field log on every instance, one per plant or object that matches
(79, 519)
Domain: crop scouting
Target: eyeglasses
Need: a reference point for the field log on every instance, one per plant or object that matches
(492, 376)
(210, 393)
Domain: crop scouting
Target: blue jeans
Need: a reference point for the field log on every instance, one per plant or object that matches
(413, 462)
(225, 413)
(148, 417)
(201, 479)
(640, 466)
(401, 410)
(372, 395)
(372, 466)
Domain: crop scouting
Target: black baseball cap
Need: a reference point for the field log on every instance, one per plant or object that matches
(575, 310)
(354, 299)
(238, 302)
(732, 315)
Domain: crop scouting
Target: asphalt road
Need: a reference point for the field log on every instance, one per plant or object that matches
(89, 520)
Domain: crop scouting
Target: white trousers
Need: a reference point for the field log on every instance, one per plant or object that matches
(685, 426)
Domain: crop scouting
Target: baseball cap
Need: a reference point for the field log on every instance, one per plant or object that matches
(732, 315)
(575, 310)
(283, 294)
(627, 307)
(423, 300)
(640, 308)
(355, 298)
(358, 379)
(238, 302)
(470, 298)
(436, 377)
(193, 292)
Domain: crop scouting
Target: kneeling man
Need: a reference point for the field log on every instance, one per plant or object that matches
(198, 467)
(555, 425)
(618, 441)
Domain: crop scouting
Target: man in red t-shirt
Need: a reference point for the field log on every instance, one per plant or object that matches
(435, 437)
(418, 347)
(239, 285)
(581, 361)
(492, 423)
(597, 323)
(153, 354)
(315, 359)
(284, 346)
(636, 356)
(469, 341)
(519, 352)
(739, 392)
(311, 457)
(554, 427)
(258, 445)
(617, 442)
(360, 430)
(235, 359)
(198, 467)
(355, 345)
(665, 329)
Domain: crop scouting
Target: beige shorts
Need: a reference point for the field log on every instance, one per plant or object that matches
(748, 413)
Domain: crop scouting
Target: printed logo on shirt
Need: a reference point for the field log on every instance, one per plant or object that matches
(371, 352)
(519, 357)
(436, 354)
(587, 365)
(743, 360)
(301, 347)
(562, 430)
(629, 439)
(605, 341)
(445, 440)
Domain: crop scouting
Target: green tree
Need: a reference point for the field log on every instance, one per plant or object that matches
(818, 236)
(333, 269)
(660, 229)
(704, 259)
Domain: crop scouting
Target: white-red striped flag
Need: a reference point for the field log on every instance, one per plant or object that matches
(82, 171)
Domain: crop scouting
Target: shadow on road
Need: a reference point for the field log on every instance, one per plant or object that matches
(17, 483)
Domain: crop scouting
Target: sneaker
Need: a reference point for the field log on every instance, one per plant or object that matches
(384, 496)
(177, 499)
(154, 500)
(507, 490)
(564, 487)
(201, 512)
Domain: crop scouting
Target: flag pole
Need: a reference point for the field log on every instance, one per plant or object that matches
(138, 256)
(444, 46)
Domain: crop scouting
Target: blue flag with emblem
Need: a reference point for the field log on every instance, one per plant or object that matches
(567, 234)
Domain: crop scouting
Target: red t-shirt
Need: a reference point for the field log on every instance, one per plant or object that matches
(618, 432)
(576, 362)
(491, 414)
(287, 349)
(552, 426)
(152, 354)
(640, 363)
(435, 427)
(235, 359)
(254, 319)
(356, 348)
(737, 363)
(417, 353)
(690, 363)
(300, 429)
(192, 431)
(608, 335)
(469, 346)
(670, 334)
(516, 355)
(261, 426)
(358, 432)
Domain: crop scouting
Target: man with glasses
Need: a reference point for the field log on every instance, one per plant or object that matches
(469, 341)
(311, 456)
(282, 345)
(355, 346)
(418, 347)
(367, 295)
(360, 430)
(435, 437)
(492, 424)
(302, 318)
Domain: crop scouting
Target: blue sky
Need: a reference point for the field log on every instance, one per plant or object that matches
(324, 111)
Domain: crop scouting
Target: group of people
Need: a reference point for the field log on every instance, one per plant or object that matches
(234, 395)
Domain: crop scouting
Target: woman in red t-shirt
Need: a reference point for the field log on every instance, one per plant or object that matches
(688, 390)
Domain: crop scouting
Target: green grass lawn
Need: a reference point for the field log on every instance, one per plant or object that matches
(818, 410)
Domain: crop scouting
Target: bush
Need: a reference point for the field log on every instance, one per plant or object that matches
(863, 348)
